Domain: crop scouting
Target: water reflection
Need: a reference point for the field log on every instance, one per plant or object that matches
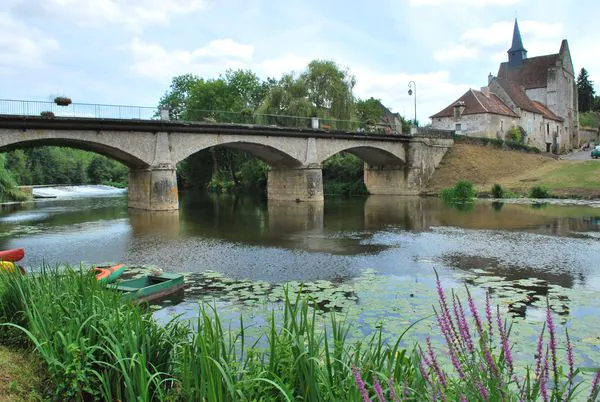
(155, 223)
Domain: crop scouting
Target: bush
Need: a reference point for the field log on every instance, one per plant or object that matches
(539, 192)
(497, 191)
(47, 114)
(515, 135)
(462, 191)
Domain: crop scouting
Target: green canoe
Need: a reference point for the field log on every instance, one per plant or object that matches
(149, 287)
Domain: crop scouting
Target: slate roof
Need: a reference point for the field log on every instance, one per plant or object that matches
(533, 73)
(517, 93)
(547, 113)
(517, 42)
(476, 102)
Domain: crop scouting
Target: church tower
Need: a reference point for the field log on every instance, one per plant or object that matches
(517, 53)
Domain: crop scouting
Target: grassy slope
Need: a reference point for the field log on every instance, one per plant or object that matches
(516, 171)
(19, 379)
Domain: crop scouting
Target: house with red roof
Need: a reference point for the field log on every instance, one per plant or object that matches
(538, 95)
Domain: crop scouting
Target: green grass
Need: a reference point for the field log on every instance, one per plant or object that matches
(20, 376)
(589, 119)
(584, 175)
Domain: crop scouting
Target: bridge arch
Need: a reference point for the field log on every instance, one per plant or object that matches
(274, 155)
(97, 143)
(373, 155)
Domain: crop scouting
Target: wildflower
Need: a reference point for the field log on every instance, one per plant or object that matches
(488, 313)
(475, 313)
(361, 385)
(464, 327)
(552, 332)
(482, 391)
(595, 385)
(538, 353)
(444, 306)
(504, 339)
(435, 365)
(570, 359)
(392, 392)
(544, 379)
(378, 390)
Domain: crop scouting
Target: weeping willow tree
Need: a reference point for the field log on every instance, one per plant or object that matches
(9, 191)
(323, 90)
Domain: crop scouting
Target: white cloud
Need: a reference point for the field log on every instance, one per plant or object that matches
(480, 3)
(152, 60)
(284, 64)
(538, 38)
(132, 14)
(434, 91)
(21, 46)
(456, 52)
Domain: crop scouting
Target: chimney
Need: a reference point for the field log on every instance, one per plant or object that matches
(490, 78)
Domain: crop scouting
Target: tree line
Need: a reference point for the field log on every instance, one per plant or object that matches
(56, 165)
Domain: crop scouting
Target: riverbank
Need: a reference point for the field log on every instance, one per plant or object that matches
(516, 172)
(108, 349)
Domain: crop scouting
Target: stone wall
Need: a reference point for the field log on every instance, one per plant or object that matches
(477, 125)
(588, 136)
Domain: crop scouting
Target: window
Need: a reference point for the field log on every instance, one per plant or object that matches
(458, 127)
(501, 125)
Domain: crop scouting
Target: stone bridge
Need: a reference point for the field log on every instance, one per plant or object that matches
(394, 164)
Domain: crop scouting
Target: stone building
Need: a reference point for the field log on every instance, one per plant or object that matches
(538, 95)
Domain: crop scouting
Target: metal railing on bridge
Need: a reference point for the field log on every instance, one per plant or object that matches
(121, 112)
(82, 110)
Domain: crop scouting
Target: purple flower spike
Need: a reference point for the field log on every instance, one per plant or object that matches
(504, 339)
(552, 332)
(435, 365)
(488, 314)
(482, 391)
(392, 391)
(475, 313)
(361, 385)
(378, 390)
(538, 353)
(570, 359)
(464, 328)
(544, 379)
(595, 385)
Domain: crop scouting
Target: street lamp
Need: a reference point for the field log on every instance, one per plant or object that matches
(412, 85)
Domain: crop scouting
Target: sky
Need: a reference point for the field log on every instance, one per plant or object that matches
(127, 51)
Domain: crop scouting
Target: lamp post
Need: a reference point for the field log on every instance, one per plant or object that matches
(412, 85)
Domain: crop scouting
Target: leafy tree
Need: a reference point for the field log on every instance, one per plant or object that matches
(322, 90)
(596, 105)
(369, 111)
(98, 171)
(585, 90)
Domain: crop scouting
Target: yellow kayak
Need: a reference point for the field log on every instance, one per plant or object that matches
(8, 266)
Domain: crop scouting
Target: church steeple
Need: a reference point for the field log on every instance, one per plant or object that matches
(516, 53)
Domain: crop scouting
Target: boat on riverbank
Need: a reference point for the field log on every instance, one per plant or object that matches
(109, 274)
(149, 287)
(16, 254)
(8, 258)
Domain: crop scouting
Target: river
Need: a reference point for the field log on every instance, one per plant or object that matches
(372, 258)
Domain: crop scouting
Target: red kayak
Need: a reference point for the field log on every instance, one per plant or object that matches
(13, 255)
